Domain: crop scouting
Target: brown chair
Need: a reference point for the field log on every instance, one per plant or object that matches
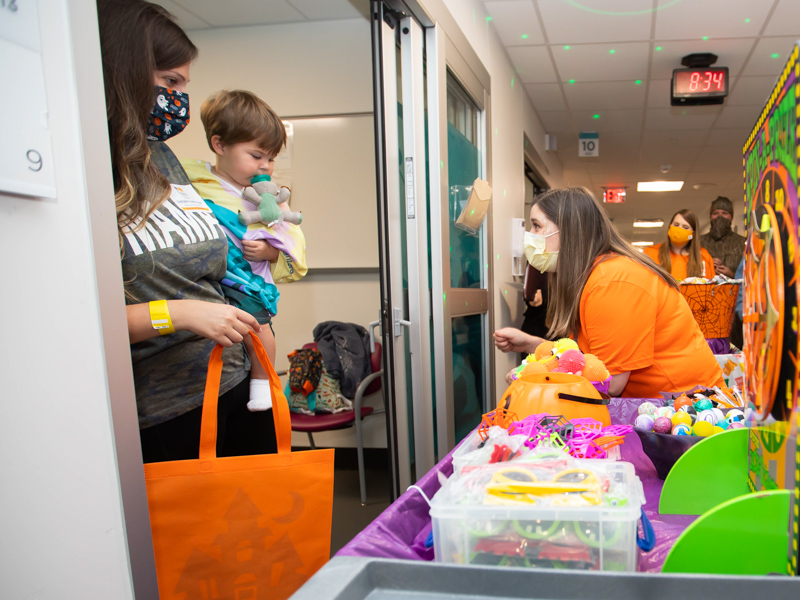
(311, 424)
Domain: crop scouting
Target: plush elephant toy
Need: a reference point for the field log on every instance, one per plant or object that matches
(272, 203)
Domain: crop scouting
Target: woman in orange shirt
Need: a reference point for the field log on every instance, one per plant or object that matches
(681, 253)
(616, 302)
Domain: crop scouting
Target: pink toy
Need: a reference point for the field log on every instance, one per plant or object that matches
(571, 361)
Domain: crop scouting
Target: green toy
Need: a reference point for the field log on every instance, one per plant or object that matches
(268, 198)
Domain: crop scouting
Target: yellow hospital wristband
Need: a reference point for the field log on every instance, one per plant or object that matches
(159, 317)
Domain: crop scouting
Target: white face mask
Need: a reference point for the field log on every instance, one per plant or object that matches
(538, 257)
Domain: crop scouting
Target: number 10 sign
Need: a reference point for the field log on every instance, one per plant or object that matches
(588, 144)
(26, 154)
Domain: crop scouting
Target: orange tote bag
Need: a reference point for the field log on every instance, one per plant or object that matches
(254, 527)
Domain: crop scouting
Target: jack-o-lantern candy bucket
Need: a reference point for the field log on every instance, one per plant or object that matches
(558, 394)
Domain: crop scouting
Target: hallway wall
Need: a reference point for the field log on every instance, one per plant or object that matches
(512, 118)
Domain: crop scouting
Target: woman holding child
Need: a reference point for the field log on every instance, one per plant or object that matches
(617, 303)
(172, 249)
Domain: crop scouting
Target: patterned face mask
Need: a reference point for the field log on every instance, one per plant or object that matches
(169, 116)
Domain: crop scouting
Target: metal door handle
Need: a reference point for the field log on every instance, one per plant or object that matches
(372, 327)
(399, 323)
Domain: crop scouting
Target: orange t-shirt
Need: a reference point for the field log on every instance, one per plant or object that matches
(633, 321)
(680, 262)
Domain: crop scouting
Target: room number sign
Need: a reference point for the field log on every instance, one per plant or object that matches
(26, 154)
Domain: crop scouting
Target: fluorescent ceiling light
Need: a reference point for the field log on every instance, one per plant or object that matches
(648, 223)
(643, 243)
(659, 186)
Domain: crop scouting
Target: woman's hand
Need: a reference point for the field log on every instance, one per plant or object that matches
(223, 323)
(259, 251)
(510, 339)
(510, 376)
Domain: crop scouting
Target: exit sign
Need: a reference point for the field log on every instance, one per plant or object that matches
(614, 195)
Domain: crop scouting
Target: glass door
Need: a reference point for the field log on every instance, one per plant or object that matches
(462, 307)
(431, 123)
(401, 155)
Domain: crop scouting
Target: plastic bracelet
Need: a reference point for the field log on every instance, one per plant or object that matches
(159, 317)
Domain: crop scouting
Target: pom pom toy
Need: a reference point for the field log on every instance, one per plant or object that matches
(595, 370)
(571, 361)
(544, 351)
(562, 345)
(533, 368)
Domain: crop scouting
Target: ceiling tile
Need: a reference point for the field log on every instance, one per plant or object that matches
(739, 117)
(731, 53)
(762, 61)
(555, 121)
(604, 95)
(546, 96)
(609, 120)
(689, 117)
(515, 22)
(612, 20)
(328, 10)
(785, 19)
(751, 91)
(243, 12)
(674, 138)
(533, 64)
(595, 62)
(728, 137)
(658, 94)
(186, 19)
(712, 18)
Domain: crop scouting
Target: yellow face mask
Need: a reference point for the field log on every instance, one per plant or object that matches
(538, 257)
(679, 236)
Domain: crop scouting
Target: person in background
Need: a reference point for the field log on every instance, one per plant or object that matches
(534, 294)
(681, 253)
(724, 245)
(616, 302)
(172, 249)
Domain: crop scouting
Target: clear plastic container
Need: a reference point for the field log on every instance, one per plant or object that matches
(543, 534)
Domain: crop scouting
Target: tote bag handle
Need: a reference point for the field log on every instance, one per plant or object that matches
(280, 406)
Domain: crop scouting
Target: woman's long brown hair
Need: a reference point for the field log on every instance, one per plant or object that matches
(694, 268)
(585, 233)
(136, 38)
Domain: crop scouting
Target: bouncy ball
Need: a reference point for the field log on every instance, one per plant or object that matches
(645, 422)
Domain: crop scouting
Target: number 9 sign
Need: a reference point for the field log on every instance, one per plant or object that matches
(26, 154)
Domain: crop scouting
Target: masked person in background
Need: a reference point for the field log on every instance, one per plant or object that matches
(613, 300)
(680, 253)
(724, 245)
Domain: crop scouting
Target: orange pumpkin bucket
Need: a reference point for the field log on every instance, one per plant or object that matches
(558, 394)
(712, 306)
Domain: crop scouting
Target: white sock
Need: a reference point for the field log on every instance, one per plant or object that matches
(260, 395)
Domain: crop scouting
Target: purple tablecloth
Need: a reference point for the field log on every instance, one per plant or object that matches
(400, 531)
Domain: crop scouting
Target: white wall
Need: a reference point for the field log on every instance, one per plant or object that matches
(512, 117)
(62, 518)
(318, 76)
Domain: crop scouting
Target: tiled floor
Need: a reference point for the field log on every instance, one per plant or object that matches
(349, 517)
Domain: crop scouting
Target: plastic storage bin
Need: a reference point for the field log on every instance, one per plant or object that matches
(541, 534)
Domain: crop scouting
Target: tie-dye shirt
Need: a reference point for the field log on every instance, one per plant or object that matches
(179, 254)
(285, 237)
